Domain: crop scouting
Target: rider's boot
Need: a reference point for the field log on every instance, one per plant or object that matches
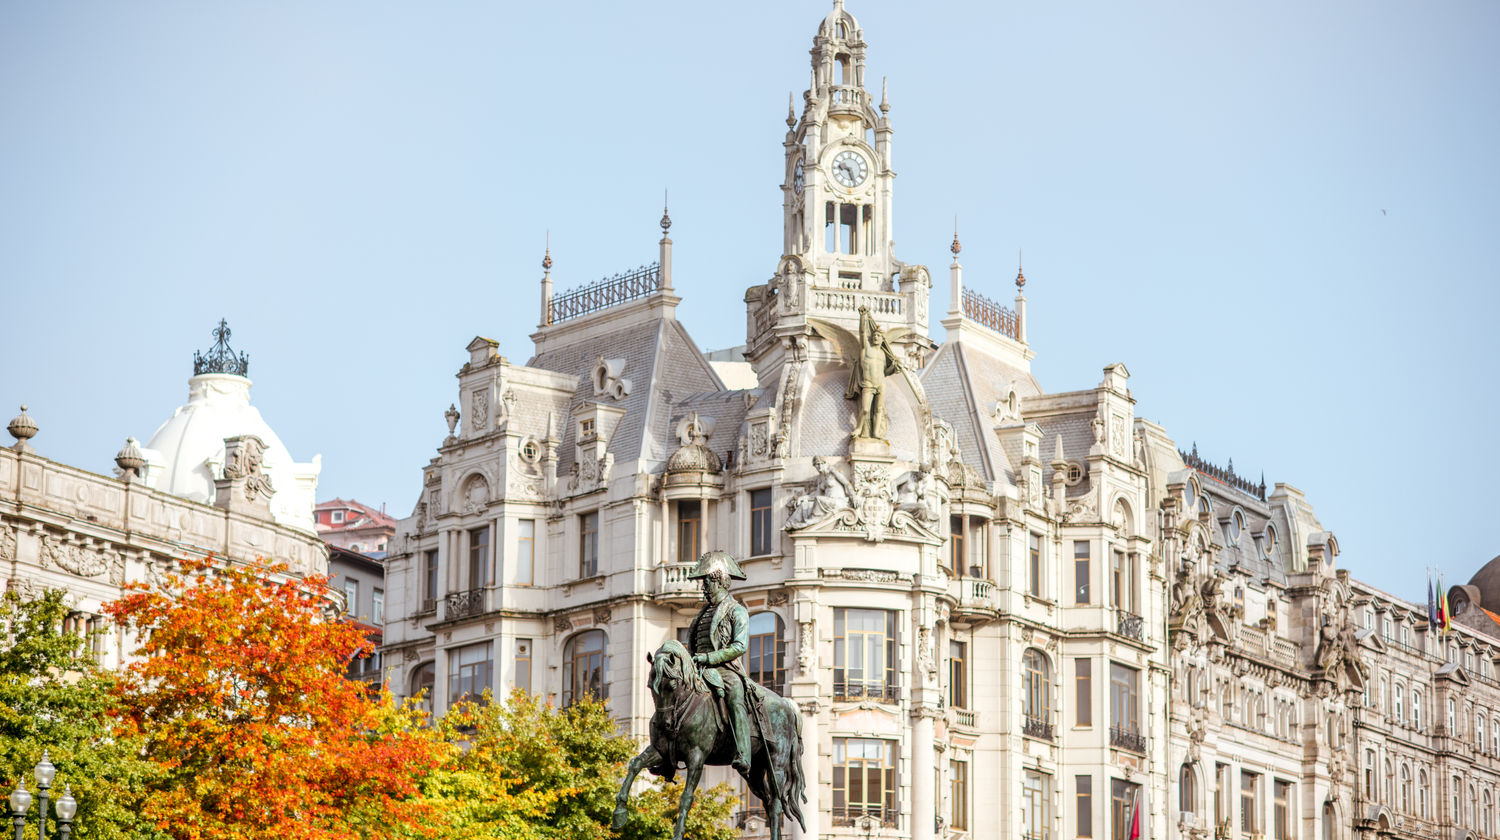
(738, 723)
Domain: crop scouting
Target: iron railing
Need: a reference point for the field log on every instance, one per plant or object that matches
(1131, 626)
(1225, 475)
(887, 817)
(602, 294)
(1127, 739)
(469, 602)
(886, 692)
(1035, 727)
(988, 313)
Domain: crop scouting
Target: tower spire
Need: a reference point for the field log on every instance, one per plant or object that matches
(665, 257)
(955, 276)
(547, 282)
(1020, 300)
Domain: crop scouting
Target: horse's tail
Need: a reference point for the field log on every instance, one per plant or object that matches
(796, 792)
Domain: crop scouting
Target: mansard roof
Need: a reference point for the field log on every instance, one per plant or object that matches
(963, 384)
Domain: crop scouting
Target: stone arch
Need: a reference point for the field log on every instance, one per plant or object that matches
(472, 494)
(1122, 515)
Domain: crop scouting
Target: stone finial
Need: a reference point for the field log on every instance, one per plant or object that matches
(451, 415)
(885, 96)
(130, 460)
(1057, 454)
(22, 428)
(791, 113)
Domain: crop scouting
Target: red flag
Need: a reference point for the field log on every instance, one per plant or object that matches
(1135, 816)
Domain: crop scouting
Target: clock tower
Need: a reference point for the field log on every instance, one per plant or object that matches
(838, 245)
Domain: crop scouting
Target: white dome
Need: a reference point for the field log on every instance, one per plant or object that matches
(186, 454)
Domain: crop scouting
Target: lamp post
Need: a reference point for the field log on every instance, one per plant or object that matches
(20, 803)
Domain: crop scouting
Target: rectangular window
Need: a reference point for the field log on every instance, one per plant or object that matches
(958, 800)
(1085, 800)
(760, 522)
(1124, 702)
(689, 530)
(526, 552)
(1035, 793)
(955, 544)
(764, 659)
(377, 607)
(469, 669)
(1083, 679)
(864, 654)
(1124, 801)
(351, 596)
(523, 665)
(864, 780)
(1249, 801)
(1119, 581)
(588, 544)
(1081, 572)
(1034, 566)
(1283, 805)
(978, 543)
(338, 516)
(958, 694)
(429, 580)
(479, 557)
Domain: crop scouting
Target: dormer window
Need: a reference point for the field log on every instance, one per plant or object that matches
(586, 428)
(1189, 495)
(338, 516)
(1236, 526)
(1268, 542)
(1075, 473)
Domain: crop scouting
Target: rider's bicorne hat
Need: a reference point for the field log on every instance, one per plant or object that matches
(717, 559)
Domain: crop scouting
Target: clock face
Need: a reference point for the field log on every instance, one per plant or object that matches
(849, 168)
(797, 179)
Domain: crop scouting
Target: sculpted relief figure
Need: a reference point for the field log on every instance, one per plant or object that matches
(709, 712)
(828, 492)
(1185, 599)
(917, 494)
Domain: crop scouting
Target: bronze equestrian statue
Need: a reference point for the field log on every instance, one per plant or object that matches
(708, 711)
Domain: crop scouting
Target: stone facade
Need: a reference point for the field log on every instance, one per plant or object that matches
(1014, 614)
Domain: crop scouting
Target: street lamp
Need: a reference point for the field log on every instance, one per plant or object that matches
(20, 803)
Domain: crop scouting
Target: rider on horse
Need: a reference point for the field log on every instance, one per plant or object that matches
(718, 637)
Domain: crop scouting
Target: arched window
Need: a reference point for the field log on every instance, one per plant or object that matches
(584, 663)
(1187, 790)
(1479, 731)
(423, 678)
(1405, 789)
(1330, 822)
(1487, 814)
(1036, 677)
(1422, 793)
(1390, 781)
(1473, 806)
(765, 660)
(1495, 736)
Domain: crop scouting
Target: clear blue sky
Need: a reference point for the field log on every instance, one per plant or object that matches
(1281, 216)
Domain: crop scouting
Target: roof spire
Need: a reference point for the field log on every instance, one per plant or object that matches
(955, 247)
(547, 255)
(666, 221)
(1020, 275)
(885, 95)
(791, 113)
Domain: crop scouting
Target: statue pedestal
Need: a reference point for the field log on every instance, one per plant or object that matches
(869, 449)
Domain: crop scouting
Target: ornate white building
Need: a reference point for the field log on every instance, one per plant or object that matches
(1005, 612)
(213, 479)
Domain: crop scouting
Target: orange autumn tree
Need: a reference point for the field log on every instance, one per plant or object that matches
(240, 696)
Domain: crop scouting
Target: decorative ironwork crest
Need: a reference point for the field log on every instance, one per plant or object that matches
(220, 358)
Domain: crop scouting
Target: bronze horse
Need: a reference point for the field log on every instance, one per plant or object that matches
(689, 731)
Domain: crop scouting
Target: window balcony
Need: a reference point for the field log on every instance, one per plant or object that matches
(966, 718)
(873, 816)
(879, 692)
(465, 604)
(1039, 728)
(973, 599)
(673, 583)
(1127, 738)
(1131, 626)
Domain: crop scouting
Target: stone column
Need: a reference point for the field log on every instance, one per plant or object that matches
(923, 765)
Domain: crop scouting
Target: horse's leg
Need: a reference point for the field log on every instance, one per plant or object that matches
(648, 757)
(773, 814)
(689, 790)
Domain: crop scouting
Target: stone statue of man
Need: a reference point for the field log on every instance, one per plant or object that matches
(719, 637)
(867, 375)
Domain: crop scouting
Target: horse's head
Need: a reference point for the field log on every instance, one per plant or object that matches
(671, 668)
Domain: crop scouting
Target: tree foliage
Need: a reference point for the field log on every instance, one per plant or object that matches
(240, 699)
(529, 771)
(54, 697)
